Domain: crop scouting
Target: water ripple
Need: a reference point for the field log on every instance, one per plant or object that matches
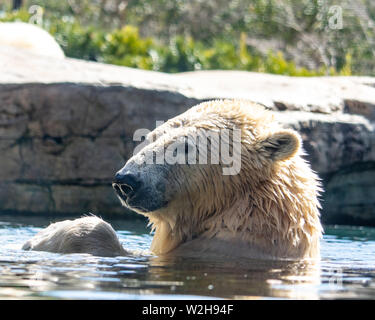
(346, 270)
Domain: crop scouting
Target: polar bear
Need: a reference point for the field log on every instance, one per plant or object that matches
(88, 234)
(26, 36)
(268, 209)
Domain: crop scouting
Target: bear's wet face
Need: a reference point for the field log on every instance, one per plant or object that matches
(174, 168)
(195, 157)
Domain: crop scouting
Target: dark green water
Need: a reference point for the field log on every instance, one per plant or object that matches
(346, 270)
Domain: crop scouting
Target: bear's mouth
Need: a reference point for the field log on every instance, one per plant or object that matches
(137, 201)
(124, 191)
(126, 195)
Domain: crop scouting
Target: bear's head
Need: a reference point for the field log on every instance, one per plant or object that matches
(195, 167)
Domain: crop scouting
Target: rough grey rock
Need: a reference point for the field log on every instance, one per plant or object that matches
(341, 148)
(62, 143)
(66, 127)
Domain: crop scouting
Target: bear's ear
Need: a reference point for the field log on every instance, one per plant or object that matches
(282, 145)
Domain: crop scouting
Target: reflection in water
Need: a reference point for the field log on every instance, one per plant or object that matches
(244, 279)
(346, 270)
(151, 275)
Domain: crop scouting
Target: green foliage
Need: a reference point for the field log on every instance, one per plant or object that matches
(21, 16)
(346, 70)
(76, 41)
(126, 47)
(182, 54)
(221, 55)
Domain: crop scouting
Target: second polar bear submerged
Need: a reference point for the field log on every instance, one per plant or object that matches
(88, 234)
(268, 210)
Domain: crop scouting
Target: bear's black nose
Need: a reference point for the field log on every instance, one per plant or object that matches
(126, 184)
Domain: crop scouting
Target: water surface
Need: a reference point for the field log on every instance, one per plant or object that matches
(346, 270)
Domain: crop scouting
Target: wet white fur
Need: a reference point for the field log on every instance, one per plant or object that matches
(88, 234)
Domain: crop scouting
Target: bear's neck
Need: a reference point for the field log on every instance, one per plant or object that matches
(164, 239)
(280, 215)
